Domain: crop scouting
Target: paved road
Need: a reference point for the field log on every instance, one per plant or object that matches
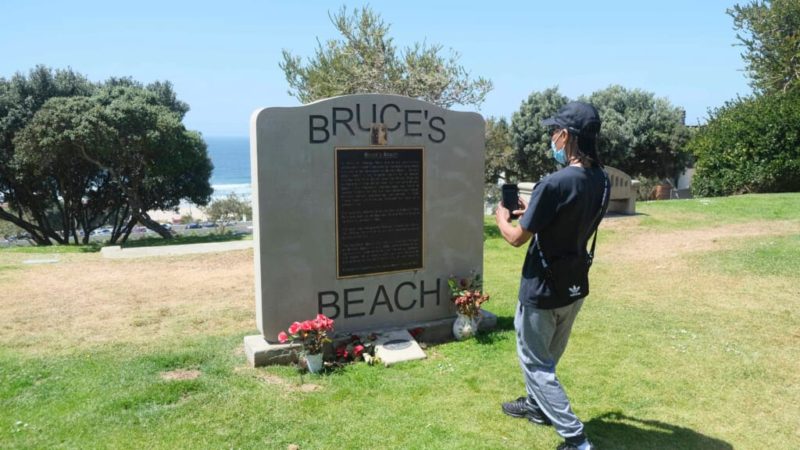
(173, 250)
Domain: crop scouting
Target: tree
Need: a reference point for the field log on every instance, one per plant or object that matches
(365, 60)
(530, 139)
(20, 98)
(771, 41)
(500, 157)
(74, 155)
(641, 135)
(749, 145)
(154, 161)
(51, 157)
(228, 210)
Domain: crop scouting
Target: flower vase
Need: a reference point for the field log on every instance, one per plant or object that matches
(314, 362)
(465, 326)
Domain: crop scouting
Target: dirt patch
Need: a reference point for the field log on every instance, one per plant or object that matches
(645, 246)
(276, 380)
(180, 374)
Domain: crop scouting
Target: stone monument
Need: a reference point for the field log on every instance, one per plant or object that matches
(363, 206)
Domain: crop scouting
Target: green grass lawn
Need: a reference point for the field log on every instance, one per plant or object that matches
(53, 249)
(690, 349)
(702, 212)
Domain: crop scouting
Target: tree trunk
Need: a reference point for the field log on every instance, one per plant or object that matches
(145, 219)
(128, 229)
(140, 214)
(36, 236)
(62, 209)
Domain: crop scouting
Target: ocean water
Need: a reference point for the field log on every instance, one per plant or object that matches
(231, 159)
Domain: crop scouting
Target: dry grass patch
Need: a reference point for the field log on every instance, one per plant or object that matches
(661, 269)
(86, 300)
(180, 374)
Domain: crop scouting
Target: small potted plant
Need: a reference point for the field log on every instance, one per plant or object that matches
(467, 294)
(312, 334)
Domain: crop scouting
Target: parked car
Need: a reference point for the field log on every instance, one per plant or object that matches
(193, 226)
(101, 231)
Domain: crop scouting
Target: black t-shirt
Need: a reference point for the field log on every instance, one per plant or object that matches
(561, 214)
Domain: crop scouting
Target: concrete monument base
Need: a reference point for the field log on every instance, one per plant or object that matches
(259, 352)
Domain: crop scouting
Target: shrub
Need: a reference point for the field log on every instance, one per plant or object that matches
(749, 145)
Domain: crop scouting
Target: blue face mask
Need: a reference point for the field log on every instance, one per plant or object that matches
(559, 154)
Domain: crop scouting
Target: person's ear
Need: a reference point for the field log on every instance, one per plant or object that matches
(562, 133)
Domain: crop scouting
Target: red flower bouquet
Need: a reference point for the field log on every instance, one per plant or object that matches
(313, 334)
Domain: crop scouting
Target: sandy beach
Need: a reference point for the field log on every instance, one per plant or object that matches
(174, 216)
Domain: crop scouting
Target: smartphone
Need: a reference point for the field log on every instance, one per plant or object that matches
(511, 198)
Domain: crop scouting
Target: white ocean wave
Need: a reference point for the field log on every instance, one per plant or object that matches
(243, 190)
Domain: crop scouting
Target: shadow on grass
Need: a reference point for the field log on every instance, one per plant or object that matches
(182, 239)
(618, 431)
(612, 215)
(490, 231)
(489, 337)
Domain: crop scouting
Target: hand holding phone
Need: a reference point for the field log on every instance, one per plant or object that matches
(511, 199)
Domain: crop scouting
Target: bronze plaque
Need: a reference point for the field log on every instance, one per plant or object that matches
(379, 210)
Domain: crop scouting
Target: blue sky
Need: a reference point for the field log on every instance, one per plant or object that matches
(223, 56)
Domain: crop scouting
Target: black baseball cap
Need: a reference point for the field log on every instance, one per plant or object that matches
(578, 118)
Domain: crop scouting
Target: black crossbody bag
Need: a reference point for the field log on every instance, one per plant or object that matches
(567, 276)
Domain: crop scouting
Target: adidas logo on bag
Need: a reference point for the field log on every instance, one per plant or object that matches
(574, 291)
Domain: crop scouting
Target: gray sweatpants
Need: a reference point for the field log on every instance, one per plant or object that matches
(542, 336)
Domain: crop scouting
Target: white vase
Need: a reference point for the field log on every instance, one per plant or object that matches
(314, 362)
(465, 326)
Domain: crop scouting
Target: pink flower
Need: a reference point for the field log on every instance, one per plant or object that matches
(307, 326)
(282, 337)
(358, 350)
(325, 323)
(294, 328)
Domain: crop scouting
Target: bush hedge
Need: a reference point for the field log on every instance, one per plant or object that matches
(749, 145)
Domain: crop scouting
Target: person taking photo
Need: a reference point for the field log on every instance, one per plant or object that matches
(564, 210)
